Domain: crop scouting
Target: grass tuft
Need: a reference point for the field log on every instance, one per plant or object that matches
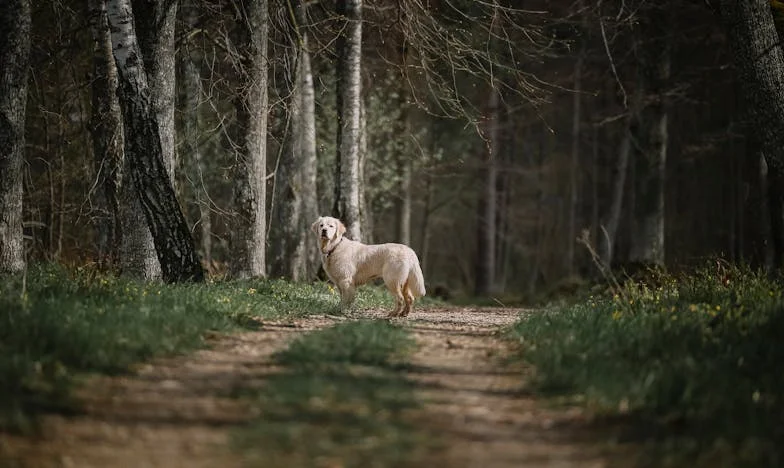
(365, 342)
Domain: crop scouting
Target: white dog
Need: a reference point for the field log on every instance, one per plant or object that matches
(350, 263)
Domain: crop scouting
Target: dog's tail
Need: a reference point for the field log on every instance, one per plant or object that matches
(416, 280)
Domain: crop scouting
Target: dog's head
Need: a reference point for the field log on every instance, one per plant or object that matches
(328, 228)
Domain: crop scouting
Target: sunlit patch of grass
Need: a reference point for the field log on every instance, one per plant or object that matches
(341, 400)
(693, 359)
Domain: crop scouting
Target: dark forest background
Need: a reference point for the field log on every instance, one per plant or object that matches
(492, 137)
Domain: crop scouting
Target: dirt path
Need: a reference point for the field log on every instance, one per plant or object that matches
(481, 405)
(177, 412)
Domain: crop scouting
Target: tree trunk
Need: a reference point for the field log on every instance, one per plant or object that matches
(612, 219)
(486, 219)
(191, 127)
(404, 166)
(753, 213)
(424, 251)
(106, 130)
(347, 173)
(759, 64)
(155, 21)
(144, 156)
(775, 193)
(249, 233)
(365, 213)
(650, 140)
(310, 197)
(154, 24)
(294, 252)
(574, 163)
(14, 63)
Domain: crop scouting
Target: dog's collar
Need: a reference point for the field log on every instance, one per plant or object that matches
(329, 252)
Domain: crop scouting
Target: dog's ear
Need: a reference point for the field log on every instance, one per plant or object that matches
(315, 225)
(341, 228)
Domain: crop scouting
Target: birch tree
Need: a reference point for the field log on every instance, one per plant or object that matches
(294, 254)
(249, 232)
(347, 173)
(192, 94)
(650, 138)
(106, 132)
(144, 159)
(487, 206)
(14, 62)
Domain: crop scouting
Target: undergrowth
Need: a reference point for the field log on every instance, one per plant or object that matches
(692, 361)
(56, 324)
(340, 400)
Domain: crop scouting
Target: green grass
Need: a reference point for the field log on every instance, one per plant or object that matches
(56, 324)
(695, 362)
(368, 343)
(340, 400)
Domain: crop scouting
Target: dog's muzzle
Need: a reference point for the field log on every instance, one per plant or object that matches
(324, 233)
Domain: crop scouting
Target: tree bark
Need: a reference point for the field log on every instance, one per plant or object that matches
(775, 193)
(486, 219)
(155, 28)
(154, 24)
(759, 64)
(192, 95)
(347, 173)
(365, 213)
(249, 234)
(144, 155)
(106, 131)
(404, 165)
(310, 197)
(574, 163)
(612, 219)
(294, 252)
(15, 25)
(650, 139)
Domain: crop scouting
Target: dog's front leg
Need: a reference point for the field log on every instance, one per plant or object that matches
(347, 294)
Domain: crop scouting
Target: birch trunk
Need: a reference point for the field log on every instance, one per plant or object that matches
(249, 234)
(191, 126)
(144, 155)
(574, 164)
(365, 213)
(486, 219)
(612, 220)
(15, 25)
(347, 171)
(106, 132)
(309, 166)
(404, 165)
(294, 252)
(650, 138)
(155, 28)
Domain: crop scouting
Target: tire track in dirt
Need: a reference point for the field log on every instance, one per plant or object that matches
(481, 407)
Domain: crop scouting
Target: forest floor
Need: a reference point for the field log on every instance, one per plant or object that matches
(181, 411)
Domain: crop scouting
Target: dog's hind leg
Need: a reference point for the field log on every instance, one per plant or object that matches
(408, 297)
(397, 292)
